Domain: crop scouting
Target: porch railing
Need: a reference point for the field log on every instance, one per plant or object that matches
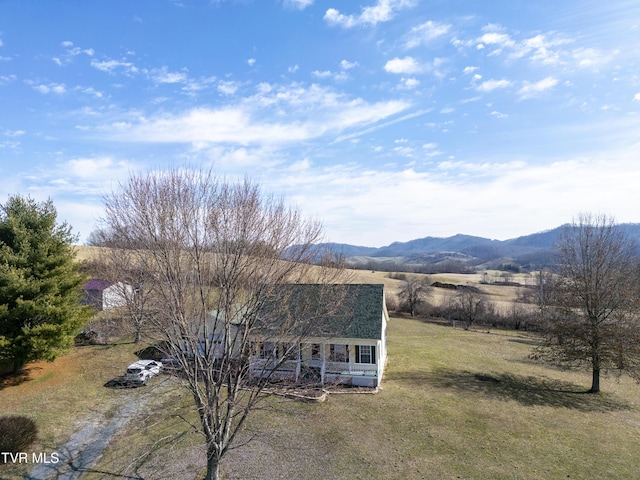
(345, 368)
(330, 368)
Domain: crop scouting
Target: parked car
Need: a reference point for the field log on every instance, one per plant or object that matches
(141, 371)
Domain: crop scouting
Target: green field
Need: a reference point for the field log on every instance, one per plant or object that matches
(453, 404)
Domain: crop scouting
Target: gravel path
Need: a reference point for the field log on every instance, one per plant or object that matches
(86, 445)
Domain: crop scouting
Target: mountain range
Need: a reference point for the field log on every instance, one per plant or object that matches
(463, 253)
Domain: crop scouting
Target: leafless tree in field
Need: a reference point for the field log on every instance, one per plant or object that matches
(215, 256)
(469, 304)
(595, 319)
(413, 292)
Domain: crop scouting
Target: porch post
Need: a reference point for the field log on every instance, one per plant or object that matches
(324, 363)
(298, 363)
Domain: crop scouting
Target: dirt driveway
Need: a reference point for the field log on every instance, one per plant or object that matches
(86, 445)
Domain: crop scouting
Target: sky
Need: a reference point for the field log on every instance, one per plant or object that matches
(387, 120)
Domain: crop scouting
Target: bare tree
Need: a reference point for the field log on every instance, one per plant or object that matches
(215, 257)
(469, 304)
(540, 293)
(595, 319)
(413, 292)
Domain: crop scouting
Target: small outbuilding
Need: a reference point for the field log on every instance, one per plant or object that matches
(104, 294)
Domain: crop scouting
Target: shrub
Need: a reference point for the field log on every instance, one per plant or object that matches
(17, 433)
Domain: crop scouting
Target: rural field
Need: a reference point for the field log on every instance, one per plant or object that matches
(454, 404)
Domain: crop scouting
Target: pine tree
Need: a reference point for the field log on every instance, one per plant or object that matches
(40, 283)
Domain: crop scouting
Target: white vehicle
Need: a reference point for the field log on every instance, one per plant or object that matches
(141, 371)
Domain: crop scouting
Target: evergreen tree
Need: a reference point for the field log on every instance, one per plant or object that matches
(40, 283)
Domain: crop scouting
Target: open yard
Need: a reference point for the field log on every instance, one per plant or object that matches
(454, 404)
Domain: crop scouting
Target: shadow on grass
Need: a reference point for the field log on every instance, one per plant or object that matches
(526, 341)
(14, 379)
(526, 390)
(120, 382)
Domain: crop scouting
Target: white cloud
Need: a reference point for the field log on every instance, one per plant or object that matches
(382, 11)
(90, 91)
(193, 86)
(70, 53)
(338, 76)
(227, 87)
(406, 65)
(346, 65)
(301, 113)
(234, 159)
(496, 38)
(470, 100)
(163, 75)
(76, 187)
(409, 83)
(111, 66)
(321, 74)
(251, 62)
(94, 168)
(426, 33)
(6, 79)
(14, 133)
(361, 206)
(530, 90)
(591, 57)
(431, 150)
(404, 151)
(542, 48)
(636, 97)
(549, 49)
(56, 88)
(298, 4)
(490, 85)
(301, 165)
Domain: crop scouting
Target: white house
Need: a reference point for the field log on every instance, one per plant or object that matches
(351, 349)
(103, 294)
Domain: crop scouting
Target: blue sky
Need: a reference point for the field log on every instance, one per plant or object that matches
(388, 120)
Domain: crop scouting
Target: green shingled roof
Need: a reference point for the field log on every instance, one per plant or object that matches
(344, 311)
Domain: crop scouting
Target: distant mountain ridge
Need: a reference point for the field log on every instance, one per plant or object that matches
(462, 252)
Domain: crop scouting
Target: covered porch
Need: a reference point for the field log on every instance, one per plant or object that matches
(319, 362)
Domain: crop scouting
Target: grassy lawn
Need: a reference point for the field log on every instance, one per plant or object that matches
(454, 404)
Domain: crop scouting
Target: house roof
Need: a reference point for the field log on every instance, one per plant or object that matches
(344, 310)
(95, 284)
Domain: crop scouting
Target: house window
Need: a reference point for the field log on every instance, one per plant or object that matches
(365, 354)
(339, 353)
(316, 351)
(265, 350)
